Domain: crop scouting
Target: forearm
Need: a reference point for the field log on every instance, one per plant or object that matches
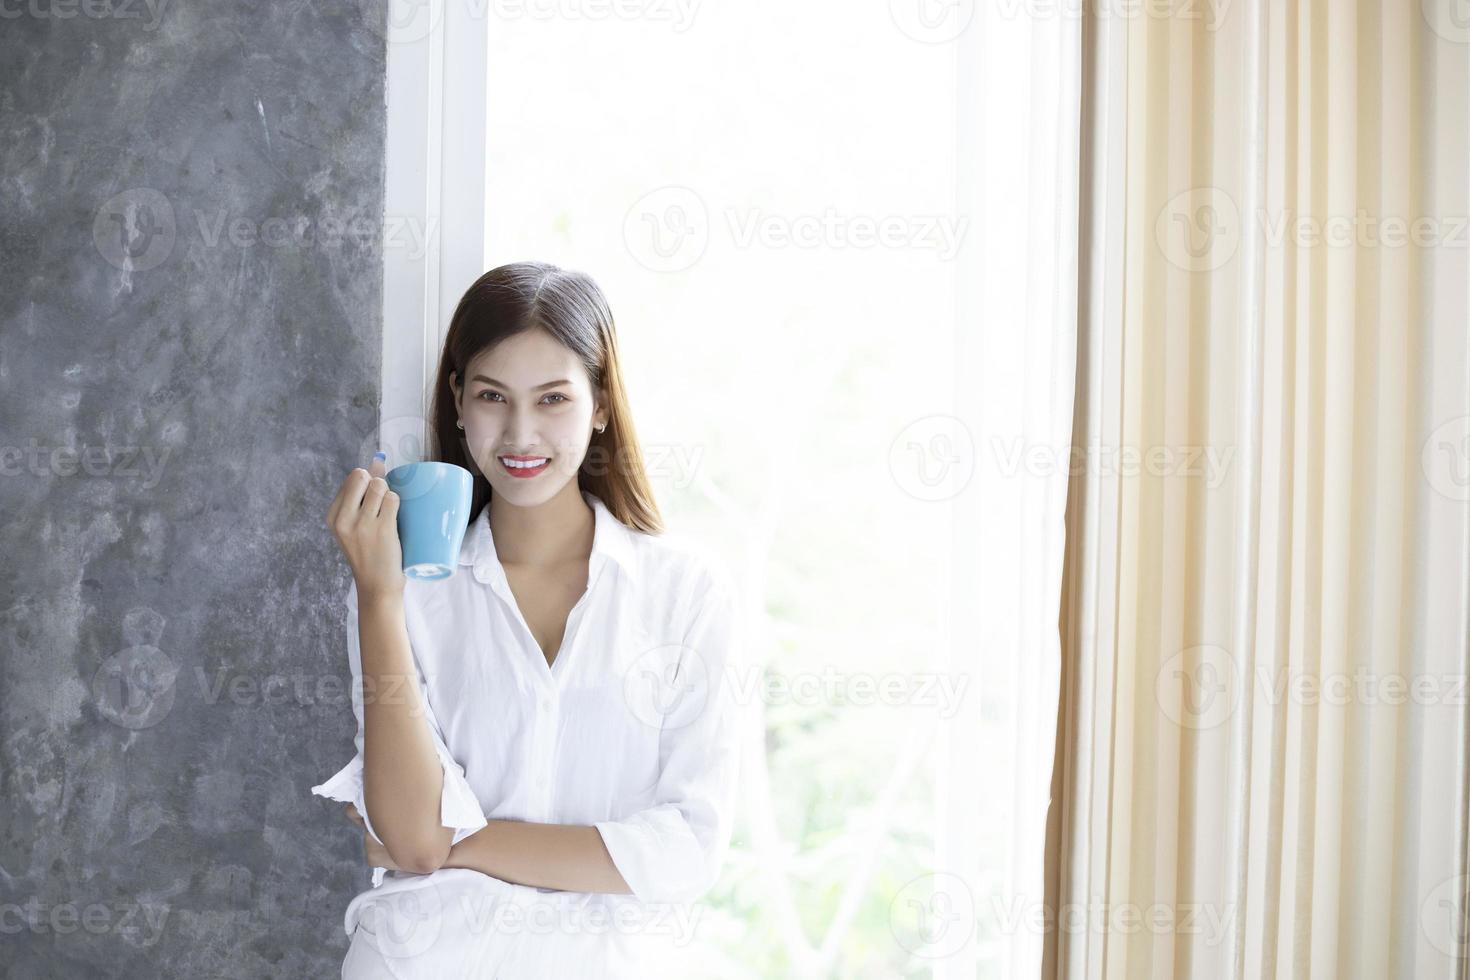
(544, 855)
(403, 778)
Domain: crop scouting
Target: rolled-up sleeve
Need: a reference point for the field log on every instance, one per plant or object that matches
(459, 809)
(673, 850)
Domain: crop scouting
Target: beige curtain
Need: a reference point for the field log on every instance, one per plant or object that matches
(1261, 766)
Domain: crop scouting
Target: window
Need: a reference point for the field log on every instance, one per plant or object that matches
(776, 199)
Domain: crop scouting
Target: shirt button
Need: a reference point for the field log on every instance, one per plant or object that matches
(545, 703)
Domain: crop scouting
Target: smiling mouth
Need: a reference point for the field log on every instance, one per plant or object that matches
(523, 467)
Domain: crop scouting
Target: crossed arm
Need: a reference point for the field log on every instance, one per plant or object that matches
(403, 780)
(672, 848)
(543, 855)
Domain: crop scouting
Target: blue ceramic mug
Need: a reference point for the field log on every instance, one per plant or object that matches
(433, 512)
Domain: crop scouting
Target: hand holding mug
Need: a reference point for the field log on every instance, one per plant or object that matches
(364, 519)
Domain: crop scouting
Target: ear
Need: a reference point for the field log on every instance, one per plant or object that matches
(602, 406)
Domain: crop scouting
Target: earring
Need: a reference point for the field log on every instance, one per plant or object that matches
(602, 427)
(459, 424)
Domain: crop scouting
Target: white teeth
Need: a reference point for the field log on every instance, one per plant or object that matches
(518, 465)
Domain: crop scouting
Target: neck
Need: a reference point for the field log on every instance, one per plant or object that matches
(559, 530)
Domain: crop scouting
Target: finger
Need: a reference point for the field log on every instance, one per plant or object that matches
(349, 497)
(377, 470)
(335, 507)
(372, 500)
(361, 500)
(388, 510)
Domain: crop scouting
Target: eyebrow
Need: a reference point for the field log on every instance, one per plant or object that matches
(499, 384)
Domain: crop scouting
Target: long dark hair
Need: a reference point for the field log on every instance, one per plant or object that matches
(520, 296)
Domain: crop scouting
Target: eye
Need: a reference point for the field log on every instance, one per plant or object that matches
(557, 395)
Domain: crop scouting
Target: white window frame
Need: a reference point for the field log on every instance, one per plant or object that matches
(433, 171)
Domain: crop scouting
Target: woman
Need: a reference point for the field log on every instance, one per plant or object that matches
(552, 786)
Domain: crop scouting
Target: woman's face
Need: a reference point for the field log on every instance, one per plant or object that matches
(528, 396)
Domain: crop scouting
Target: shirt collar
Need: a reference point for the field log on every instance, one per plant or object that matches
(611, 538)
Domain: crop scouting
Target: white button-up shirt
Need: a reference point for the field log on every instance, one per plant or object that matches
(632, 729)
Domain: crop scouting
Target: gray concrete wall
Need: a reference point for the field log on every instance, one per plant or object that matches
(189, 363)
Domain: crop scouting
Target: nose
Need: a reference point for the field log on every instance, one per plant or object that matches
(520, 432)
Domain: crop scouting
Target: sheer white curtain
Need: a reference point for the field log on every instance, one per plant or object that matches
(1014, 379)
(1264, 726)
